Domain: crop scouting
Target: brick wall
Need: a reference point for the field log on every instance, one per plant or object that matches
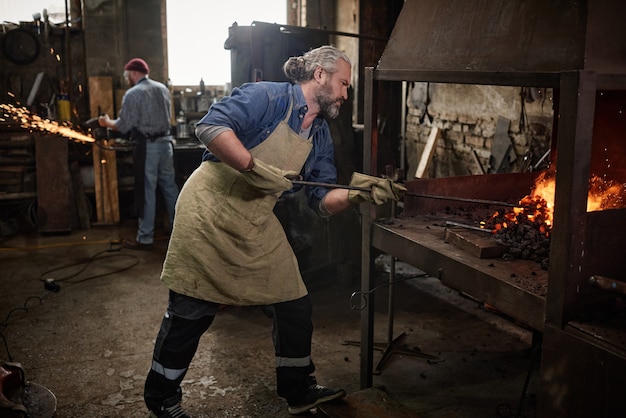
(476, 123)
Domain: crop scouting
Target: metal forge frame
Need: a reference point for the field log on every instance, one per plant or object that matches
(583, 368)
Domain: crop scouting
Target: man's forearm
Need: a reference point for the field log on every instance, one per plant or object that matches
(229, 149)
(336, 200)
(106, 122)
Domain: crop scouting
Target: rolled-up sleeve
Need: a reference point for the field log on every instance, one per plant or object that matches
(248, 111)
(254, 110)
(207, 133)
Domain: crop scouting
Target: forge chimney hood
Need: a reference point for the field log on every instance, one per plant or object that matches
(499, 36)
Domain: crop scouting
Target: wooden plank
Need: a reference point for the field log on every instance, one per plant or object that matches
(17, 196)
(54, 209)
(80, 200)
(429, 149)
(101, 95)
(105, 184)
(104, 160)
(501, 147)
(478, 244)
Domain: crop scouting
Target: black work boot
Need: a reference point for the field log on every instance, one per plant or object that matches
(174, 411)
(313, 396)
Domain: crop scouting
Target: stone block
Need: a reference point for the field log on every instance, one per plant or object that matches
(475, 141)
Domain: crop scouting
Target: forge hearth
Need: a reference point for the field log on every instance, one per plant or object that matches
(578, 50)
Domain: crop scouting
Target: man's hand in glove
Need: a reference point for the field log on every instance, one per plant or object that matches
(381, 191)
(268, 179)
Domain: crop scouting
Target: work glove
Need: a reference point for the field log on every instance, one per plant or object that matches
(381, 190)
(268, 179)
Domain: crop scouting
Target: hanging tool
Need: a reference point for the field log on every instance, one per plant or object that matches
(426, 196)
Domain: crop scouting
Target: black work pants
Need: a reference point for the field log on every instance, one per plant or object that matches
(187, 319)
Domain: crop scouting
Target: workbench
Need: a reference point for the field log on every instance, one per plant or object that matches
(516, 288)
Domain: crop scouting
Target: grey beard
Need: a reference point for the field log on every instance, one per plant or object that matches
(328, 108)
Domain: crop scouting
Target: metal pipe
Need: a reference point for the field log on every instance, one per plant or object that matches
(403, 126)
(543, 157)
(330, 185)
(469, 200)
(473, 228)
(427, 196)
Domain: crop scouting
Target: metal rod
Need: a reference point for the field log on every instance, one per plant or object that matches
(463, 199)
(473, 228)
(543, 157)
(330, 185)
(391, 299)
(427, 196)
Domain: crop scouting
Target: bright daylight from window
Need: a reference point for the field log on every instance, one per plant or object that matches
(196, 31)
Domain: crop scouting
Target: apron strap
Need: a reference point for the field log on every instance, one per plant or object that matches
(286, 120)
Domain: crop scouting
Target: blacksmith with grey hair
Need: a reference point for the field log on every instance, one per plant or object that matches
(227, 246)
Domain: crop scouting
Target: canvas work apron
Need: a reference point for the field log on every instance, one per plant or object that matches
(227, 246)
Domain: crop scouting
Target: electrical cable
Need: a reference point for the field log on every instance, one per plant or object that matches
(62, 244)
(6, 347)
(6, 321)
(52, 286)
(98, 256)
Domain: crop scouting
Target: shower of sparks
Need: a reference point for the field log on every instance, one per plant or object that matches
(33, 122)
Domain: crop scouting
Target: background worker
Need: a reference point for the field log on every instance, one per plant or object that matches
(145, 117)
(228, 247)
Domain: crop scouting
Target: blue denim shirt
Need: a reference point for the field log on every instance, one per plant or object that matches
(254, 110)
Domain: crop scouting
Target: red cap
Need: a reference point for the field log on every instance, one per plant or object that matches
(137, 64)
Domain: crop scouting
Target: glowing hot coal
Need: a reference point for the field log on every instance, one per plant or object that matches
(526, 230)
(32, 122)
(539, 204)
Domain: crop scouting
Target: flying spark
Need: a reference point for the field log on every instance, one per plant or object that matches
(30, 121)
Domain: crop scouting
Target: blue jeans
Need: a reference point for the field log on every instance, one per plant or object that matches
(159, 172)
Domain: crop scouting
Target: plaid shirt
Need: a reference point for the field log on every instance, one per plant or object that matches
(146, 106)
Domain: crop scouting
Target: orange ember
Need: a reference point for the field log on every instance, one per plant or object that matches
(605, 194)
(538, 206)
(34, 122)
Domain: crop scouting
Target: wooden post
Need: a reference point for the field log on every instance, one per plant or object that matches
(427, 154)
(54, 202)
(104, 160)
(501, 147)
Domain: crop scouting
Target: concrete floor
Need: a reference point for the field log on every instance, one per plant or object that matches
(90, 343)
